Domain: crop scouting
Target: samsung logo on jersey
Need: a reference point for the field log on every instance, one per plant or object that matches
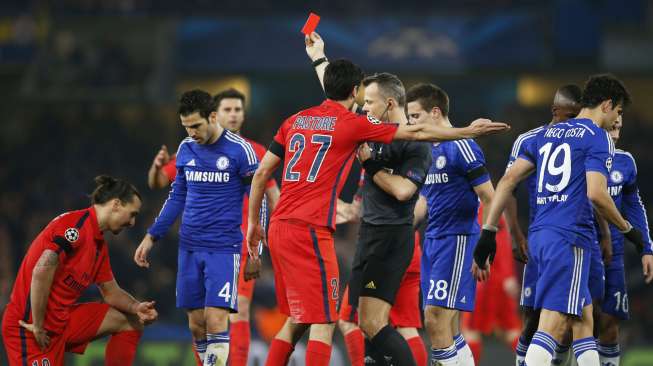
(211, 177)
(559, 133)
(615, 190)
(314, 123)
(437, 178)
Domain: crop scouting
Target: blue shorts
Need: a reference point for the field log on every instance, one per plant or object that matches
(207, 279)
(563, 273)
(529, 284)
(597, 274)
(446, 277)
(616, 296)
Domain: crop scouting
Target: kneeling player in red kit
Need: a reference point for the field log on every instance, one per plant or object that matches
(43, 319)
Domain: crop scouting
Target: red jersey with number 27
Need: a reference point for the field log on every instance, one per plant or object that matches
(319, 146)
(83, 260)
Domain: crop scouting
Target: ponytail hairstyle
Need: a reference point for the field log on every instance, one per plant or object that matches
(108, 188)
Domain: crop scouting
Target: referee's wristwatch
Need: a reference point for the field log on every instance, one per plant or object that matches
(320, 61)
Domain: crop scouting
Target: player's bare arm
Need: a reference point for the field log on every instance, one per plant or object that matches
(272, 195)
(485, 192)
(421, 211)
(122, 301)
(606, 238)
(429, 132)
(42, 277)
(266, 167)
(519, 241)
(143, 250)
(486, 247)
(155, 177)
(399, 187)
(315, 51)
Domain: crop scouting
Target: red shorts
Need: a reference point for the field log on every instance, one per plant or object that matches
(494, 309)
(245, 288)
(305, 271)
(85, 320)
(405, 312)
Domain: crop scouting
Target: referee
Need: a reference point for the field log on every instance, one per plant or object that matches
(393, 175)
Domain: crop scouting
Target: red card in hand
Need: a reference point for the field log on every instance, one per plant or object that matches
(311, 23)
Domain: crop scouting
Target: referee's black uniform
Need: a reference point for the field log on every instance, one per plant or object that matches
(386, 239)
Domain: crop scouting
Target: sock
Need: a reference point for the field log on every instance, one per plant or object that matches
(513, 344)
(540, 352)
(418, 349)
(520, 351)
(200, 350)
(317, 353)
(609, 354)
(355, 343)
(394, 345)
(560, 355)
(445, 356)
(465, 356)
(374, 356)
(279, 353)
(121, 348)
(477, 349)
(585, 351)
(239, 344)
(217, 349)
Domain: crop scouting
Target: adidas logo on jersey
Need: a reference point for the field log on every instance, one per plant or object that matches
(191, 162)
(371, 285)
(463, 300)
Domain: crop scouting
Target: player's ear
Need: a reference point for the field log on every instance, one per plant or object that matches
(213, 117)
(436, 112)
(115, 204)
(606, 106)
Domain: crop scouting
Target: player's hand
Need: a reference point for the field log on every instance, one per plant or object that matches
(647, 267)
(40, 335)
(314, 46)
(364, 152)
(606, 249)
(143, 250)
(162, 157)
(146, 312)
(481, 274)
(483, 126)
(252, 268)
(254, 238)
(520, 249)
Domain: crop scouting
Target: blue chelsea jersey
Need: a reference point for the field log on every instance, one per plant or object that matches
(517, 149)
(563, 153)
(456, 168)
(622, 185)
(209, 187)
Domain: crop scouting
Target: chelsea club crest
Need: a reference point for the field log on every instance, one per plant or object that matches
(222, 163)
(440, 162)
(616, 176)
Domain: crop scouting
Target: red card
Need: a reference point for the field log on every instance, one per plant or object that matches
(311, 23)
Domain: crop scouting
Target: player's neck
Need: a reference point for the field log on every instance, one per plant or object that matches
(397, 116)
(593, 114)
(218, 132)
(101, 214)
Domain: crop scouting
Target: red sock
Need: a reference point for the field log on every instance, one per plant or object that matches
(355, 344)
(121, 348)
(197, 357)
(279, 353)
(514, 342)
(318, 353)
(477, 349)
(239, 337)
(418, 349)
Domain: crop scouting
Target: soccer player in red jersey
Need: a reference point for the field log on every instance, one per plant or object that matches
(231, 116)
(318, 147)
(43, 319)
(496, 305)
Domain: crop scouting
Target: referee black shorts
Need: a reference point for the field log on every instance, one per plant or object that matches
(383, 253)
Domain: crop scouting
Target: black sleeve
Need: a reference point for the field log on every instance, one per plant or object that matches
(277, 149)
(416, 162)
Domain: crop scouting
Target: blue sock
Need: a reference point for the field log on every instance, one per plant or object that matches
(545, 341)
(559, 351)
(581, 346)
(522, 347)
(222, 337)
(445, 356)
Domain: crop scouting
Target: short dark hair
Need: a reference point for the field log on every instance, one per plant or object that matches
(389, 85)
(108, 188)
(340, 78)
(599, 88)
(429, 96)
(570, 92)
(196, 101)
(230, 93)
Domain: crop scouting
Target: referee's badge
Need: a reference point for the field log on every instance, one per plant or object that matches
(71, 234)
(222, 163)
(616, 176)
(440, 162)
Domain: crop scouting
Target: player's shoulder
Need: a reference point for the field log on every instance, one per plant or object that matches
(241, 146)
(523, 137)
(625, 156)
(258, 148)
(467, 148)
(70, 223)
(183, 146)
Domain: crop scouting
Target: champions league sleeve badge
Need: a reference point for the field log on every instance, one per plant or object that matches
(71, 234)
